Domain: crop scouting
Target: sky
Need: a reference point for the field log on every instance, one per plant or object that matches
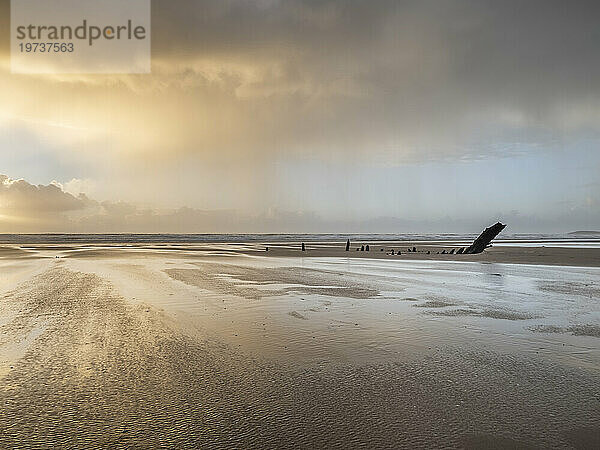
(317, 116)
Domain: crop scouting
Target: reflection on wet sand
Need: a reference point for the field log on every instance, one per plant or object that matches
(153, 349)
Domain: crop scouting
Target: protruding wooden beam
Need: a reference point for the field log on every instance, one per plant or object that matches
(485, 238)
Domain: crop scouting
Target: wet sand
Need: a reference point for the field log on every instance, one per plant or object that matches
(224, 346)
(557, 256)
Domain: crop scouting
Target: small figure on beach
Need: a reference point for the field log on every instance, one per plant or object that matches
(362, 248)
(392, 252)
(367, 248)
(266, 249)
(303, 247)
(348, 245)
(414, 249)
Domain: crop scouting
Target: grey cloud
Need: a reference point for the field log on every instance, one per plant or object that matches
(385, 79)
(49, 209)
(416, 78)
(23, 198)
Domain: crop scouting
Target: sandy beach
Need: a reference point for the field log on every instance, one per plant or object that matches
(300, 224)
(223, 345)
(536, 255)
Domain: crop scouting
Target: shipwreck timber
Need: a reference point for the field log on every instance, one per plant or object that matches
(484, 240)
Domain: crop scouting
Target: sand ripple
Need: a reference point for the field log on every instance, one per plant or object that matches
(303, 281)
(576, 330)
(105, 373)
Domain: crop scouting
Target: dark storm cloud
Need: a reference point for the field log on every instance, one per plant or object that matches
(392, 80)
(415, 76)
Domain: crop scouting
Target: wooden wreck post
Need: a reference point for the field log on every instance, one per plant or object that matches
(484, 239)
